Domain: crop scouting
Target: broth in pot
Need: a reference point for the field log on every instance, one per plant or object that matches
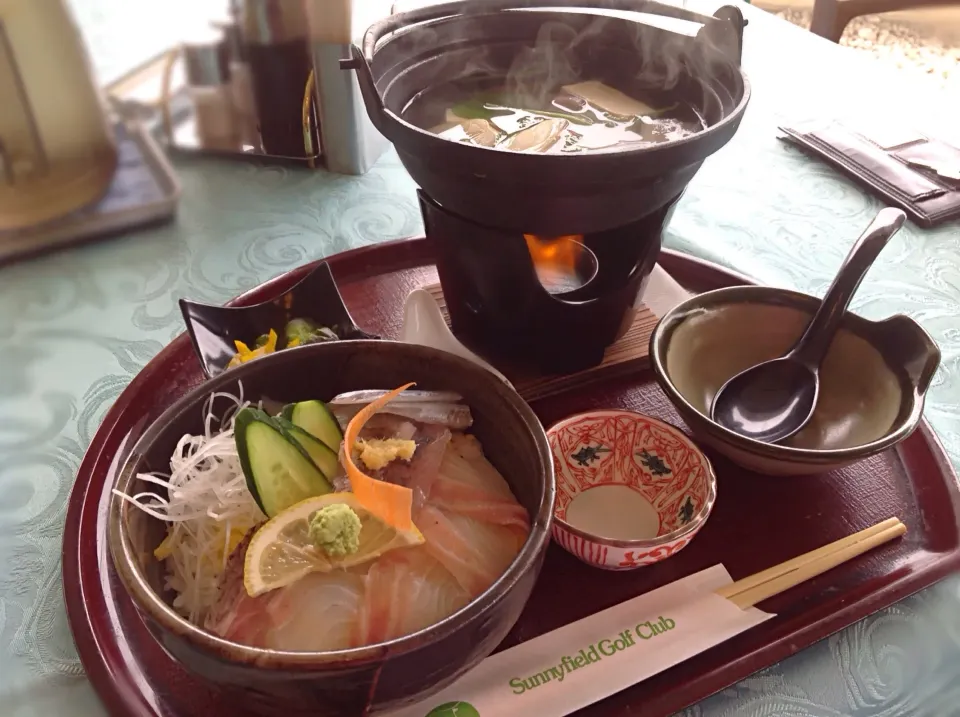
(573, 118)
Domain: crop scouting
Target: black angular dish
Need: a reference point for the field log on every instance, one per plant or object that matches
(213, 329)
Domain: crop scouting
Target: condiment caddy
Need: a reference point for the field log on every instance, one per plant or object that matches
(267, 85)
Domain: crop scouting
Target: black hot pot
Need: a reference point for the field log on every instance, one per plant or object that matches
(554, 194)
(480, 205)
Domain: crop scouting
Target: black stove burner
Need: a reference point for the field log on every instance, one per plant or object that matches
(497, 303)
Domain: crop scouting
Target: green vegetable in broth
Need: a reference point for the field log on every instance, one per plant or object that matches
(578, 117)
(483, 107)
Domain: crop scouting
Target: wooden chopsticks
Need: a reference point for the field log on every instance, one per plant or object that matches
(760, 586)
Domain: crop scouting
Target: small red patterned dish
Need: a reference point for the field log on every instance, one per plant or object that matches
(631, 490)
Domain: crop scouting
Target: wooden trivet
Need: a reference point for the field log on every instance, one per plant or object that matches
(628, 355)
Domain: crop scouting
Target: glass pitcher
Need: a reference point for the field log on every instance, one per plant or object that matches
(57, 147)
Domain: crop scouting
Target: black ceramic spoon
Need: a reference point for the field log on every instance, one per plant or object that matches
(775, 399)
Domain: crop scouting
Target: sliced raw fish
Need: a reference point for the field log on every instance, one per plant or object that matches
(389, 425)
(420, 471)
(473, 529)
(465, 462)
(227, 613)
(318, 612)
(441, 407)
(472, 502)
(455, 416)
(407, 591)
(470, 485)
(475, 552)
(409, 396)
(482, 132)
(446, 126)
(471, 521)
(321, 611)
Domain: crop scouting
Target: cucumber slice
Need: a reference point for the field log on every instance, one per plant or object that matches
(279, 472)
(316, 419)
(323, 456)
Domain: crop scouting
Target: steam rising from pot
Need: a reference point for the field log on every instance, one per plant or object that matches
(666, 51)
(616, 185)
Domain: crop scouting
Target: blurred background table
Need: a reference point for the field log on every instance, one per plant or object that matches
(75, 327)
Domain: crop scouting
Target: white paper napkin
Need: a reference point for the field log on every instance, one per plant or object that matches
(663, 292)
(583, 662)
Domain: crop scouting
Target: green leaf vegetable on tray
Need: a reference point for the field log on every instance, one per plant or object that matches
(297, 332)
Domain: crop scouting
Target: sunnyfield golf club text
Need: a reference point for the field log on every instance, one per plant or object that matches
(592, 654)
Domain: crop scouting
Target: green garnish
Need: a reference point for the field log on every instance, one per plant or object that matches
(483, 107)
(335, 529)
(301, 331)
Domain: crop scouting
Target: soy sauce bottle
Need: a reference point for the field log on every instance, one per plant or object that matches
(275, 33)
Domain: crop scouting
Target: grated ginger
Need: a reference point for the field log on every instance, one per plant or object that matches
(376, 453)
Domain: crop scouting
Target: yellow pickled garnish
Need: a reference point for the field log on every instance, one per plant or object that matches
(165, 548)
(375, 453)
(236, 536)
(245, 353)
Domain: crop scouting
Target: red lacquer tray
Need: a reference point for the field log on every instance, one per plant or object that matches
(758, 521)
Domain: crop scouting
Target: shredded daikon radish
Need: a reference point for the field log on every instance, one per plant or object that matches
(207, 507)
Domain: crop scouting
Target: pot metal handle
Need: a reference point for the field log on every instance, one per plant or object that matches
(368, 88)
(727, 33)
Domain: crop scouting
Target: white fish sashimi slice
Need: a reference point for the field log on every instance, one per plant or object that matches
(472, 502)
(476, 553)
(318, 612)
(470, 485)
(321, 611)
(407, 591)
(380, 613)
(465, 462)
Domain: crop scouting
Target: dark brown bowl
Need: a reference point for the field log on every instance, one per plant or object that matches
(873, 380)
(387, 675)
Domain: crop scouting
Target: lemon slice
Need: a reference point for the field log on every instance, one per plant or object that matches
(281, 551)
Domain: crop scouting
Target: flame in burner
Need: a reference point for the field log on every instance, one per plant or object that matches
(556, 261)
(557, 253)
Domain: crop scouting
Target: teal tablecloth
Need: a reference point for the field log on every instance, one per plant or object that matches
(75, 327)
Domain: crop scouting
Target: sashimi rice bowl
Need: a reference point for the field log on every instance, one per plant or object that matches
(337, 528)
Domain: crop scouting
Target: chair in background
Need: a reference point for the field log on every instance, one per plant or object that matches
(830, 17)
